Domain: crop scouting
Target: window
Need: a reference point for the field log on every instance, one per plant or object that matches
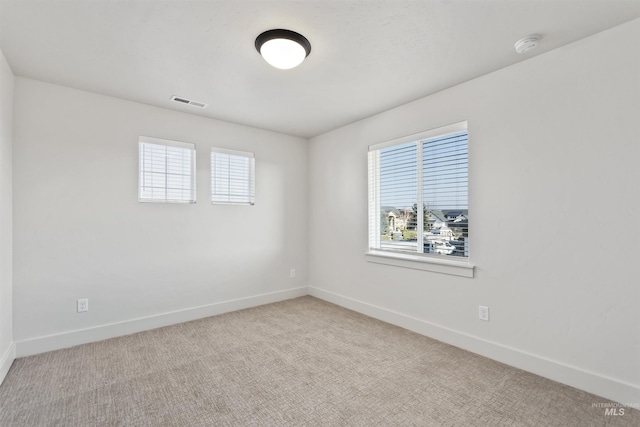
(418, 194)
(167, 171)
(232, 177)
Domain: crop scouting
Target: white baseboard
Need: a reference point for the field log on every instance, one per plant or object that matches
(6, 360)
(600, 385)
(98, 333)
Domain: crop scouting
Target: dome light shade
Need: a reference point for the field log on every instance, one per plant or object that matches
(283, 49)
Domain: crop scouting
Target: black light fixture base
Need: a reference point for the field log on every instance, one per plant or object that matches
(283, 34)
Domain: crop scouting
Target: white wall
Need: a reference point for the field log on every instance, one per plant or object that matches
(554, 209)
(80, 231)
(7, 349)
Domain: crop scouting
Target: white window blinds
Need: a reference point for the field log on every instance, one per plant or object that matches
(418, 193)
(167, 171)
(232, 177)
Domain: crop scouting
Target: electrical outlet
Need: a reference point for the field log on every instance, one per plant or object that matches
(83, 305)
(292, 273)
(483, 313)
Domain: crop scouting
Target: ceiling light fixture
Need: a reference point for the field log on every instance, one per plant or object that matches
(283, 49)
(526, 44)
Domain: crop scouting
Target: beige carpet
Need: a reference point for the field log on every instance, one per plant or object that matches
(302, 362)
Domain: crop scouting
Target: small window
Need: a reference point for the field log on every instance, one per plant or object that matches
(418, 194)
(167, 171)
(232, 177)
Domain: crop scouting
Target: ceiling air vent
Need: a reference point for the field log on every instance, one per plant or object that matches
(188, 102)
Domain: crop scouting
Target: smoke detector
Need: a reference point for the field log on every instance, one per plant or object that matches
(526, 44)
(186, 101)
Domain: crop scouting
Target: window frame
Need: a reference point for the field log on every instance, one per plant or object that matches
(251, 196)
(461, 266)
(167, 143)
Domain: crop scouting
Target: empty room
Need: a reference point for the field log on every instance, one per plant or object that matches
(302, 213)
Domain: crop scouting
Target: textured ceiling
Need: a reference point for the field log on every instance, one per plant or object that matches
(367, 56)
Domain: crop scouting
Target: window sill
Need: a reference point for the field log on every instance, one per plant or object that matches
(436, 265)
(179, 202)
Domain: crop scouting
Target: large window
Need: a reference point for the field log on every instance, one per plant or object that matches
(232, 177)
(167, 171)
(418, 194)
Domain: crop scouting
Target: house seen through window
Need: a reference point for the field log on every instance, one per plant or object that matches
(418, 193)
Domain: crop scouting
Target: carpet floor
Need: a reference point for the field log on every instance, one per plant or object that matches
(301, 362)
